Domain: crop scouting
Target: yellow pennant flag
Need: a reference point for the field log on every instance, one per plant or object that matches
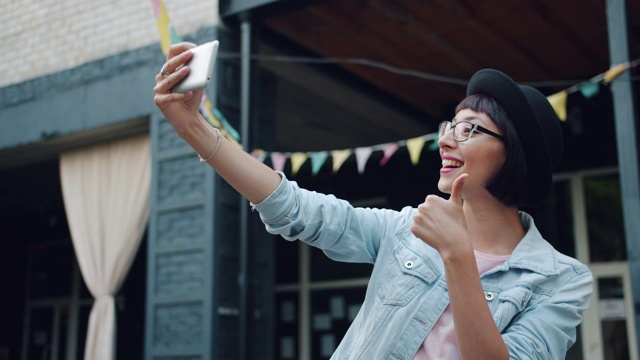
(614, 72)
(415, 146)
(207, 109)
(297, 160)
(339, 157)
(164, 26)
(559, 103)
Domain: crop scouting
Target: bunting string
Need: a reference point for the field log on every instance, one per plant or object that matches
(339, 156)
(169, 36)
(588, 88)
(407, 72)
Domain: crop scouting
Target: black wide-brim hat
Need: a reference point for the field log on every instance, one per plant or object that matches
(535, 121)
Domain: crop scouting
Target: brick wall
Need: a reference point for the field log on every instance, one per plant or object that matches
(42, 37)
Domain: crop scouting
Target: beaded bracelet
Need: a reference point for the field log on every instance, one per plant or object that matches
(215, 150)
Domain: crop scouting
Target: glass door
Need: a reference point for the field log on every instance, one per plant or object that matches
(608, 329)
(55, 313)
(48, 325)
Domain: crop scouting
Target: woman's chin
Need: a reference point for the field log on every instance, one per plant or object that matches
(444, 186)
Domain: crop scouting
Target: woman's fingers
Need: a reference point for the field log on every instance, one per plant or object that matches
(164, 84)
(178, 56)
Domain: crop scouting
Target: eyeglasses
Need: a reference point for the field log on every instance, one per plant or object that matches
(463, 130)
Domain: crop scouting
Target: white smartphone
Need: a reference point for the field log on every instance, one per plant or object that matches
(200, 68)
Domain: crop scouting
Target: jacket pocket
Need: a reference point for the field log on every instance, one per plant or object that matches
(511, 302)
(405, 275)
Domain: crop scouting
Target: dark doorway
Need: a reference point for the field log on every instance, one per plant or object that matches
(46, 308)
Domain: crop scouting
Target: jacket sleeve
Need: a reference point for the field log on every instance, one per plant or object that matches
(547, 329)
(343, 232)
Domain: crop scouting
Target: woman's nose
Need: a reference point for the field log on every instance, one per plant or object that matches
(446, 140)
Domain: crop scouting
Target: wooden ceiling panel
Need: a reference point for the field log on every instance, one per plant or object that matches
(532, 40)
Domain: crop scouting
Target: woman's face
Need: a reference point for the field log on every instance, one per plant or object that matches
(481, 155)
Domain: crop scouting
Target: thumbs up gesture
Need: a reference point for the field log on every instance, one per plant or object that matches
(441, 223)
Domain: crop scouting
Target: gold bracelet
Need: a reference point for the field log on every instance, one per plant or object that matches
(214, 150)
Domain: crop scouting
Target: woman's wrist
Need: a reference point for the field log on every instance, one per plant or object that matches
(215, 150)
(202, 137)
(457, 253)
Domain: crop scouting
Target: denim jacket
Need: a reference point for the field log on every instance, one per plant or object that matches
(537, 297)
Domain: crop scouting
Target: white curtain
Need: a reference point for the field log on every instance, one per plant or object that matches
(106, 195)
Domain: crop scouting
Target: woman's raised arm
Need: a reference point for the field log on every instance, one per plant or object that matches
(247, 175)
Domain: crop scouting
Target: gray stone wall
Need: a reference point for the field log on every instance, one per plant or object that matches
(180, 251)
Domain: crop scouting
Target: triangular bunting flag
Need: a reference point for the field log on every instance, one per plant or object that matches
(339, 157)
(362, 155)
(434, 145)
(317, 160)
(206, 107)
(388, 150)
(169, 36)
(559, 103)
(174, 36)
(259, 154)
(278, 160)
(164, 27)
(614, 72)
(415, 146)
(297, 160)
(590, 90)
(233, 132)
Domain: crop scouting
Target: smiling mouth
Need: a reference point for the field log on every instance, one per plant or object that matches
(447, 163)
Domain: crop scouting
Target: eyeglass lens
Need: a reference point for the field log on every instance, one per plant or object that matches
(461, 130)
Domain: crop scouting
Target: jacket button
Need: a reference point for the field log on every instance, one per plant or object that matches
(489, 295)
(409, 264)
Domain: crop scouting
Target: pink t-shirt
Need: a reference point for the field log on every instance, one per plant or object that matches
(441, 342)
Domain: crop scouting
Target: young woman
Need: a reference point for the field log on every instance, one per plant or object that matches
(465, 277)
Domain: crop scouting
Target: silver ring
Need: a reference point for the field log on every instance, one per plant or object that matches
(164, 71)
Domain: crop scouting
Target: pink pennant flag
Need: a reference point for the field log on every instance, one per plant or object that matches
(278, 160)
(389, 150)
(362, 155)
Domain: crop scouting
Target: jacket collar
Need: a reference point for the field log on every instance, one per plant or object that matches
(533, 252)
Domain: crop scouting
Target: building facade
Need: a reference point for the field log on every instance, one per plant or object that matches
(207, 282)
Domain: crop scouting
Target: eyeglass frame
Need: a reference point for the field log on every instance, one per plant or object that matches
(449, 125)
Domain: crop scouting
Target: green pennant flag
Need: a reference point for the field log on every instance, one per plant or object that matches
(317, 160)
(590, 90)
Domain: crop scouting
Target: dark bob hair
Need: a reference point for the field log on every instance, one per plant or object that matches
(509, 184)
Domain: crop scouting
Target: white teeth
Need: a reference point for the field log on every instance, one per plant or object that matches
(451, 163)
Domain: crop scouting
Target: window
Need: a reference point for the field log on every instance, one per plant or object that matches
(314, 307)
(604, 219)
